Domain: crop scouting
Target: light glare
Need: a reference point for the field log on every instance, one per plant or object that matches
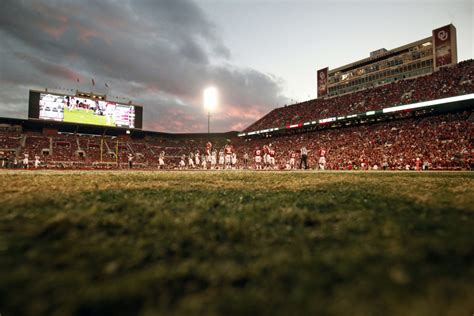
(210, 98)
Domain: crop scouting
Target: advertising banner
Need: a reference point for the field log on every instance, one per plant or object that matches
(443, 46)
(322, 82)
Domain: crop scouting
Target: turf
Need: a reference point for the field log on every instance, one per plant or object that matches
(85, 117)
(236, 243)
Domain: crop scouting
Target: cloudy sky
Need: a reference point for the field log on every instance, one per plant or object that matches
(162, 53)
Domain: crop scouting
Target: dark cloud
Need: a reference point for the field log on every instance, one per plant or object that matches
(157, 53)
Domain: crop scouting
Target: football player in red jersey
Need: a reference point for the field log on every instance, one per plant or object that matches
(418, 164)
(208, 151)
(265, 157)
(228, 149)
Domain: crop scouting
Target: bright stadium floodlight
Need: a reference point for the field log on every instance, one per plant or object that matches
(210, 104)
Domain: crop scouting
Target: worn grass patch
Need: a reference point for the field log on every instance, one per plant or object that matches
(146, 243)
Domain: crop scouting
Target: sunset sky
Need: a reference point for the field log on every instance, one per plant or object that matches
(162, 54)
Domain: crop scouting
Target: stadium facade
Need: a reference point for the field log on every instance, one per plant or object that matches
(383, 66)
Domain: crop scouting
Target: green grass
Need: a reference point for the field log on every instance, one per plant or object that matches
(85, 117)
(236, 243)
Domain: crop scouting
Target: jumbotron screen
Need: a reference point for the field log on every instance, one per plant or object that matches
(65, 108)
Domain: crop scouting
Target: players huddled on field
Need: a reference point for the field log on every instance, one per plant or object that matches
(225, 158)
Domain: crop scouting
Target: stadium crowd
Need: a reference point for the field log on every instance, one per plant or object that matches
(446, 82)
(442, 141)
(438, 142)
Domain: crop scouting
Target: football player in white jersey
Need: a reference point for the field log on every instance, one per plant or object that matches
(221, 158)
(161, 160)
(203, 161)
(258, 159)
(182, 164)
(213, 159)
(130, 158)
(197, 158)
(292, 159)
(191, 160)
(37, 161)
(25, 161)
(234, 160)
(322, 159)
(271, 157)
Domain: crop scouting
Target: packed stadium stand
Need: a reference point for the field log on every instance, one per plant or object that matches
(446, 82)
(441, 141)
(441, 138)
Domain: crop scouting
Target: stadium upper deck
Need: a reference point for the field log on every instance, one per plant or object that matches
(418, 58)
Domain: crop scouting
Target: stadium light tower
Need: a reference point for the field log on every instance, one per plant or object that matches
(210, 104)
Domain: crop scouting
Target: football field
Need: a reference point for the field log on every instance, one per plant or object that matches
(85, 117)
(236, 243)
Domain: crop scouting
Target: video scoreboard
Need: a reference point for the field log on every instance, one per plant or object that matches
(79, 109)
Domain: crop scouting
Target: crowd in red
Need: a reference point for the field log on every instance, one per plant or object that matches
(446, 82)
(10, 140)
(439, 142)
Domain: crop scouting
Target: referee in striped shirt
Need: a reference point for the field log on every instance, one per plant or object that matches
(304, 157)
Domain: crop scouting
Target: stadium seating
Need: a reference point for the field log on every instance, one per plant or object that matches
(10, 140)
(446, 82)
(441, 141)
